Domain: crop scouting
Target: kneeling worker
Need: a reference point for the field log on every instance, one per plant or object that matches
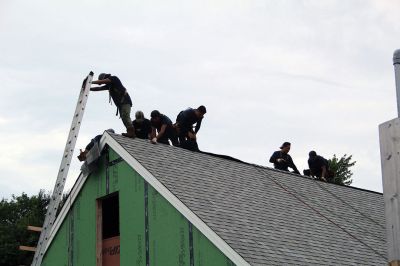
(282, 160)
(318, 166)
(142, 126)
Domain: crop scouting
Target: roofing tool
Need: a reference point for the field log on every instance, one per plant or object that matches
(63, 171)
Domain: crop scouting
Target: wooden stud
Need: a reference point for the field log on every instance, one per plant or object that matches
(25, 248)
(394, 263)
(34, 228)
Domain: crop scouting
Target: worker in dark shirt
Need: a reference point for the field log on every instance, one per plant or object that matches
(142, 126)
(318, 166)
(82, 155)
(282, 160)
(120, 97)
(185, 121)
(162, 129)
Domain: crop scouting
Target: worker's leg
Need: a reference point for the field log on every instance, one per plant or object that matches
(190, 144)
(125, 111)
(183, 134)
(163, 139)
(170, 133)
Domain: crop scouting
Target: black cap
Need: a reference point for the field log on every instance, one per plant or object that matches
(155, 113)
(285, 144)
(202, 109)
(312, 154)
(104, 76)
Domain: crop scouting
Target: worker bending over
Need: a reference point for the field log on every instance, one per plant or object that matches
(120, 97)
(282, 160)
(184, 124)
(162, 129)
(142, 126)
(82, 155)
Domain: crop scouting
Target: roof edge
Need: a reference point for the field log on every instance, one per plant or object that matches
(229, 158)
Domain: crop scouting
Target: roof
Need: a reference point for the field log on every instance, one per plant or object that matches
(257, 215)
(269, 216)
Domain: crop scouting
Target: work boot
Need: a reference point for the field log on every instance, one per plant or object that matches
(130, 133)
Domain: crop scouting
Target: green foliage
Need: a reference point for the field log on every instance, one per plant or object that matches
(15, 215)
(341, 168)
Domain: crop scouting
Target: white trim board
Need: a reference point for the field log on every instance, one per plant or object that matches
(107, 139)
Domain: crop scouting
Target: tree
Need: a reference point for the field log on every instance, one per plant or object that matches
(341, 168)
(15, 215)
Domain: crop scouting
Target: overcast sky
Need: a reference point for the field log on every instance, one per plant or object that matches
(316, 73)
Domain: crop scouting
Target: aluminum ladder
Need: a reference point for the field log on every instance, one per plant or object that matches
(63, 171)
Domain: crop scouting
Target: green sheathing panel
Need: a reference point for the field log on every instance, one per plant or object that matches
(205, 253)
(57, 254)
(169, 238)
(131, 204)
(78, 230)
(168, 232)
(84, 223)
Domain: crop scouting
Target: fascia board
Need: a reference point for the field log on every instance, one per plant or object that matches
(173, 200)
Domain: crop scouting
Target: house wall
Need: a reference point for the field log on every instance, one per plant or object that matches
(168, 236)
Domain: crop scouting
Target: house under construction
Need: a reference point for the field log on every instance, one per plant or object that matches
(148, 204)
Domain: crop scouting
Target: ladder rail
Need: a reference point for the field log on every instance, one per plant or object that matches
(63, 170)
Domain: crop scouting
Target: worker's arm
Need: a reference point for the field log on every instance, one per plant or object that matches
(273, 158)
(198, 124)
(324, 172)
(295, 169)
(153, 132)
(102, 81)
(162, 131)
(293, 166)
(102, 88)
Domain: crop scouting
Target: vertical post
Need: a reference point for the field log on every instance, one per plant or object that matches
(99, 232)
(396, 63)
(389, 135)
(389, 138)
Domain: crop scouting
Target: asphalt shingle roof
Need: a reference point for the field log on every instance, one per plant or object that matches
(270, 217)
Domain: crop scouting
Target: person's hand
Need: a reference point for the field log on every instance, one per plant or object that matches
(192, 136)
(84, 83)
(82, 155)
(153, 140)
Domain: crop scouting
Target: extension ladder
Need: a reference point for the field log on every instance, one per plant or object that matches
(63, 171)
